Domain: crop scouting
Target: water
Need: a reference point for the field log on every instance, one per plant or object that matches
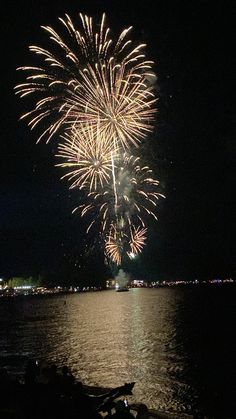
(175, 343)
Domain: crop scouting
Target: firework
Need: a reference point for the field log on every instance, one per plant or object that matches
(135, 200)
(121, 218)
(96, 95)
(114, 245)
(137, 241)
(87, 158)
(87, 77)
(120, 243)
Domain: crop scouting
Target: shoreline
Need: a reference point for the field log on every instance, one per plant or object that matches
(52, 292)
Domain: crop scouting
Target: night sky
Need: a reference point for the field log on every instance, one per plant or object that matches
(192, 149)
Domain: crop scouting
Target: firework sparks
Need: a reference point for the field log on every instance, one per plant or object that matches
(135, 200)
(138, 237)
(122, 218)
(87, 158)
(91, 77)
(119, 242)
(114, 246)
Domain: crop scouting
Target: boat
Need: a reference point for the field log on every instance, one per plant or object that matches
(122, 289)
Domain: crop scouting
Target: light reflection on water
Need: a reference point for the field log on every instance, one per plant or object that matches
(109, 338)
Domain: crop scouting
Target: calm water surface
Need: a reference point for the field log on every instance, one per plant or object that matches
(175, 343)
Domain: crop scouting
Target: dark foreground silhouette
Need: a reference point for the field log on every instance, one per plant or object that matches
(47, 393)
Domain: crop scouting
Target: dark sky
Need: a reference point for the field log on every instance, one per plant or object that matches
(192, 149)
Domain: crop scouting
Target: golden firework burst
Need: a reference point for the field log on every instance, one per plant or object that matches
(87, 77)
